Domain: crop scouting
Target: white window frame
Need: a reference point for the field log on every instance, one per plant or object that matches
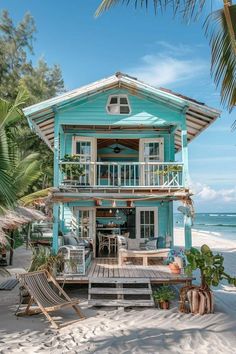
(119, 104)
(151, 140)
(138, 221)
(92, 217)
(92, 168)
(141, 154)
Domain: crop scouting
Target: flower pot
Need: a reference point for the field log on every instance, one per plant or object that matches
(179, 261)
(175, 269)
(164, 305)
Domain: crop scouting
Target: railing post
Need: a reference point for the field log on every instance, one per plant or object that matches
(119, 174)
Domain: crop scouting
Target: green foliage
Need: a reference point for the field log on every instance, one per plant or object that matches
(211, 266)
(17, 74)
(164, 293)
(9, 114)
(72, 171)
(42, 259)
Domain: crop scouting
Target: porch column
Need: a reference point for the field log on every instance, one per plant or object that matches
(184, 145)
(188, 231)
(56, 153)
(55, 227)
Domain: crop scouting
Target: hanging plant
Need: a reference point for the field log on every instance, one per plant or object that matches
(72, 171)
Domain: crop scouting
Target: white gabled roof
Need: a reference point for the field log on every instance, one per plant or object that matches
(199, 116)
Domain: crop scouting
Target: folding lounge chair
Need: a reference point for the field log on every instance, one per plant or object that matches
(47, 299)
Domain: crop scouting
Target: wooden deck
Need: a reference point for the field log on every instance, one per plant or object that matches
(108, 268)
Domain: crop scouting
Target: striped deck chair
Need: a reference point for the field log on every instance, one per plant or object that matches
(43, 295)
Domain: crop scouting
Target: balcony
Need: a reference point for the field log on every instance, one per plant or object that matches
(121, 175)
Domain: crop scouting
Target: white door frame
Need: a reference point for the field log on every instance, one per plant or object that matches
(141, 154)
(138, 229)
(93, 141)
(93, 220)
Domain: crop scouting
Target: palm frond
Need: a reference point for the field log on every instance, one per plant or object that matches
(107, 4)
(11, 113)
(188, 8)
(34, 197)
(26, 171)
(223, 62)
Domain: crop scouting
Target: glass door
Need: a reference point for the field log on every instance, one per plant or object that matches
(85, 150)
(146, 223)
(85, 222)
(151, 151)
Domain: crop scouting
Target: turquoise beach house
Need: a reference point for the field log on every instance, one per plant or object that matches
(115, 170)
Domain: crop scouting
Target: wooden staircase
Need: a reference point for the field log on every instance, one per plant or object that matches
(120, 292)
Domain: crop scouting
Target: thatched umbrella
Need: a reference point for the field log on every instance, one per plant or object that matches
(13, 219)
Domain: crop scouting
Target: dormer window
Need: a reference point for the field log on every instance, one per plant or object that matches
(118, 104)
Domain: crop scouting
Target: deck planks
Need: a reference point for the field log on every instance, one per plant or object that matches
(109, 268)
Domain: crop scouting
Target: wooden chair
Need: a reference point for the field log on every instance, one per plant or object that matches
(47, 299)
(103, 242)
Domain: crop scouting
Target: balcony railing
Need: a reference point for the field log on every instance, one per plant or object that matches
(121, 174)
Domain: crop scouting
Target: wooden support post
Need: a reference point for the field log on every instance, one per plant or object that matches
(28, 236)
(55, 227)
(188, 231)
(184, 143)
(11, 247)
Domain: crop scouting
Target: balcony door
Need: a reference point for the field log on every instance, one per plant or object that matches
(151, 150)
(85, 150)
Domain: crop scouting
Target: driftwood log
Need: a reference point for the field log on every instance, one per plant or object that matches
(196, 300)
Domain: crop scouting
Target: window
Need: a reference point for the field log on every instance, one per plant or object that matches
(147, 224)
(118, 104)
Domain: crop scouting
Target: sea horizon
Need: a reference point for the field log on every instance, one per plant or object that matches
(215, 223)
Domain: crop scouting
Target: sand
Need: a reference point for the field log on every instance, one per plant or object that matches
(131, 331)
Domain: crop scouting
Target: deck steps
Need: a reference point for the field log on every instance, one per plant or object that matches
(120, 292)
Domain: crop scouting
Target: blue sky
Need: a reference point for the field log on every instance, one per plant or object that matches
(156, 49)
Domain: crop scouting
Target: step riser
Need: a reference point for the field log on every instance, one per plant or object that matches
(122, 303)
(121, 291)
(95, 292)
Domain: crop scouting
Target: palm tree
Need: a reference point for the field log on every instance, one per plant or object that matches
(220, 28)
(18, 168)
(9, 114)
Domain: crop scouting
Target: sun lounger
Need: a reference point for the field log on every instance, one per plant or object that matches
(45, 297)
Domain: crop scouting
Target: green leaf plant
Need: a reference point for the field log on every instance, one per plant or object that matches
(211, 267)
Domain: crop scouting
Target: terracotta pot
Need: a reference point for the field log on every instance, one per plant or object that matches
(174, 268)
(164, 305)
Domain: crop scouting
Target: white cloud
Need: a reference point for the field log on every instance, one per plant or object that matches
(170, 65)
(209, 194)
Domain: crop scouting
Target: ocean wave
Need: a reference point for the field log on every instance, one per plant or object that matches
(208, 232)
(218, 225)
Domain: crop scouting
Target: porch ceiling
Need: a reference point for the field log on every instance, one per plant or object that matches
(129, 143)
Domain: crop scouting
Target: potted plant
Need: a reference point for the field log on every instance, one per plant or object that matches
(72, 171)
(200, 298)
(162, 297)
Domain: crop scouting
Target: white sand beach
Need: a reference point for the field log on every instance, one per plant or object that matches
(130, 331)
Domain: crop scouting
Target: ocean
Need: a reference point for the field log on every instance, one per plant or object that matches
(221, 224)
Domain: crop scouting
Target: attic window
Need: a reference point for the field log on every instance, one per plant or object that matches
(118, 104)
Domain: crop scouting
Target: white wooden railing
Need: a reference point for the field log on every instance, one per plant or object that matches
(122, 174)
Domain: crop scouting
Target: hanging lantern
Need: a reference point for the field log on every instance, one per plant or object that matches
(98, 202)
(113, 204)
